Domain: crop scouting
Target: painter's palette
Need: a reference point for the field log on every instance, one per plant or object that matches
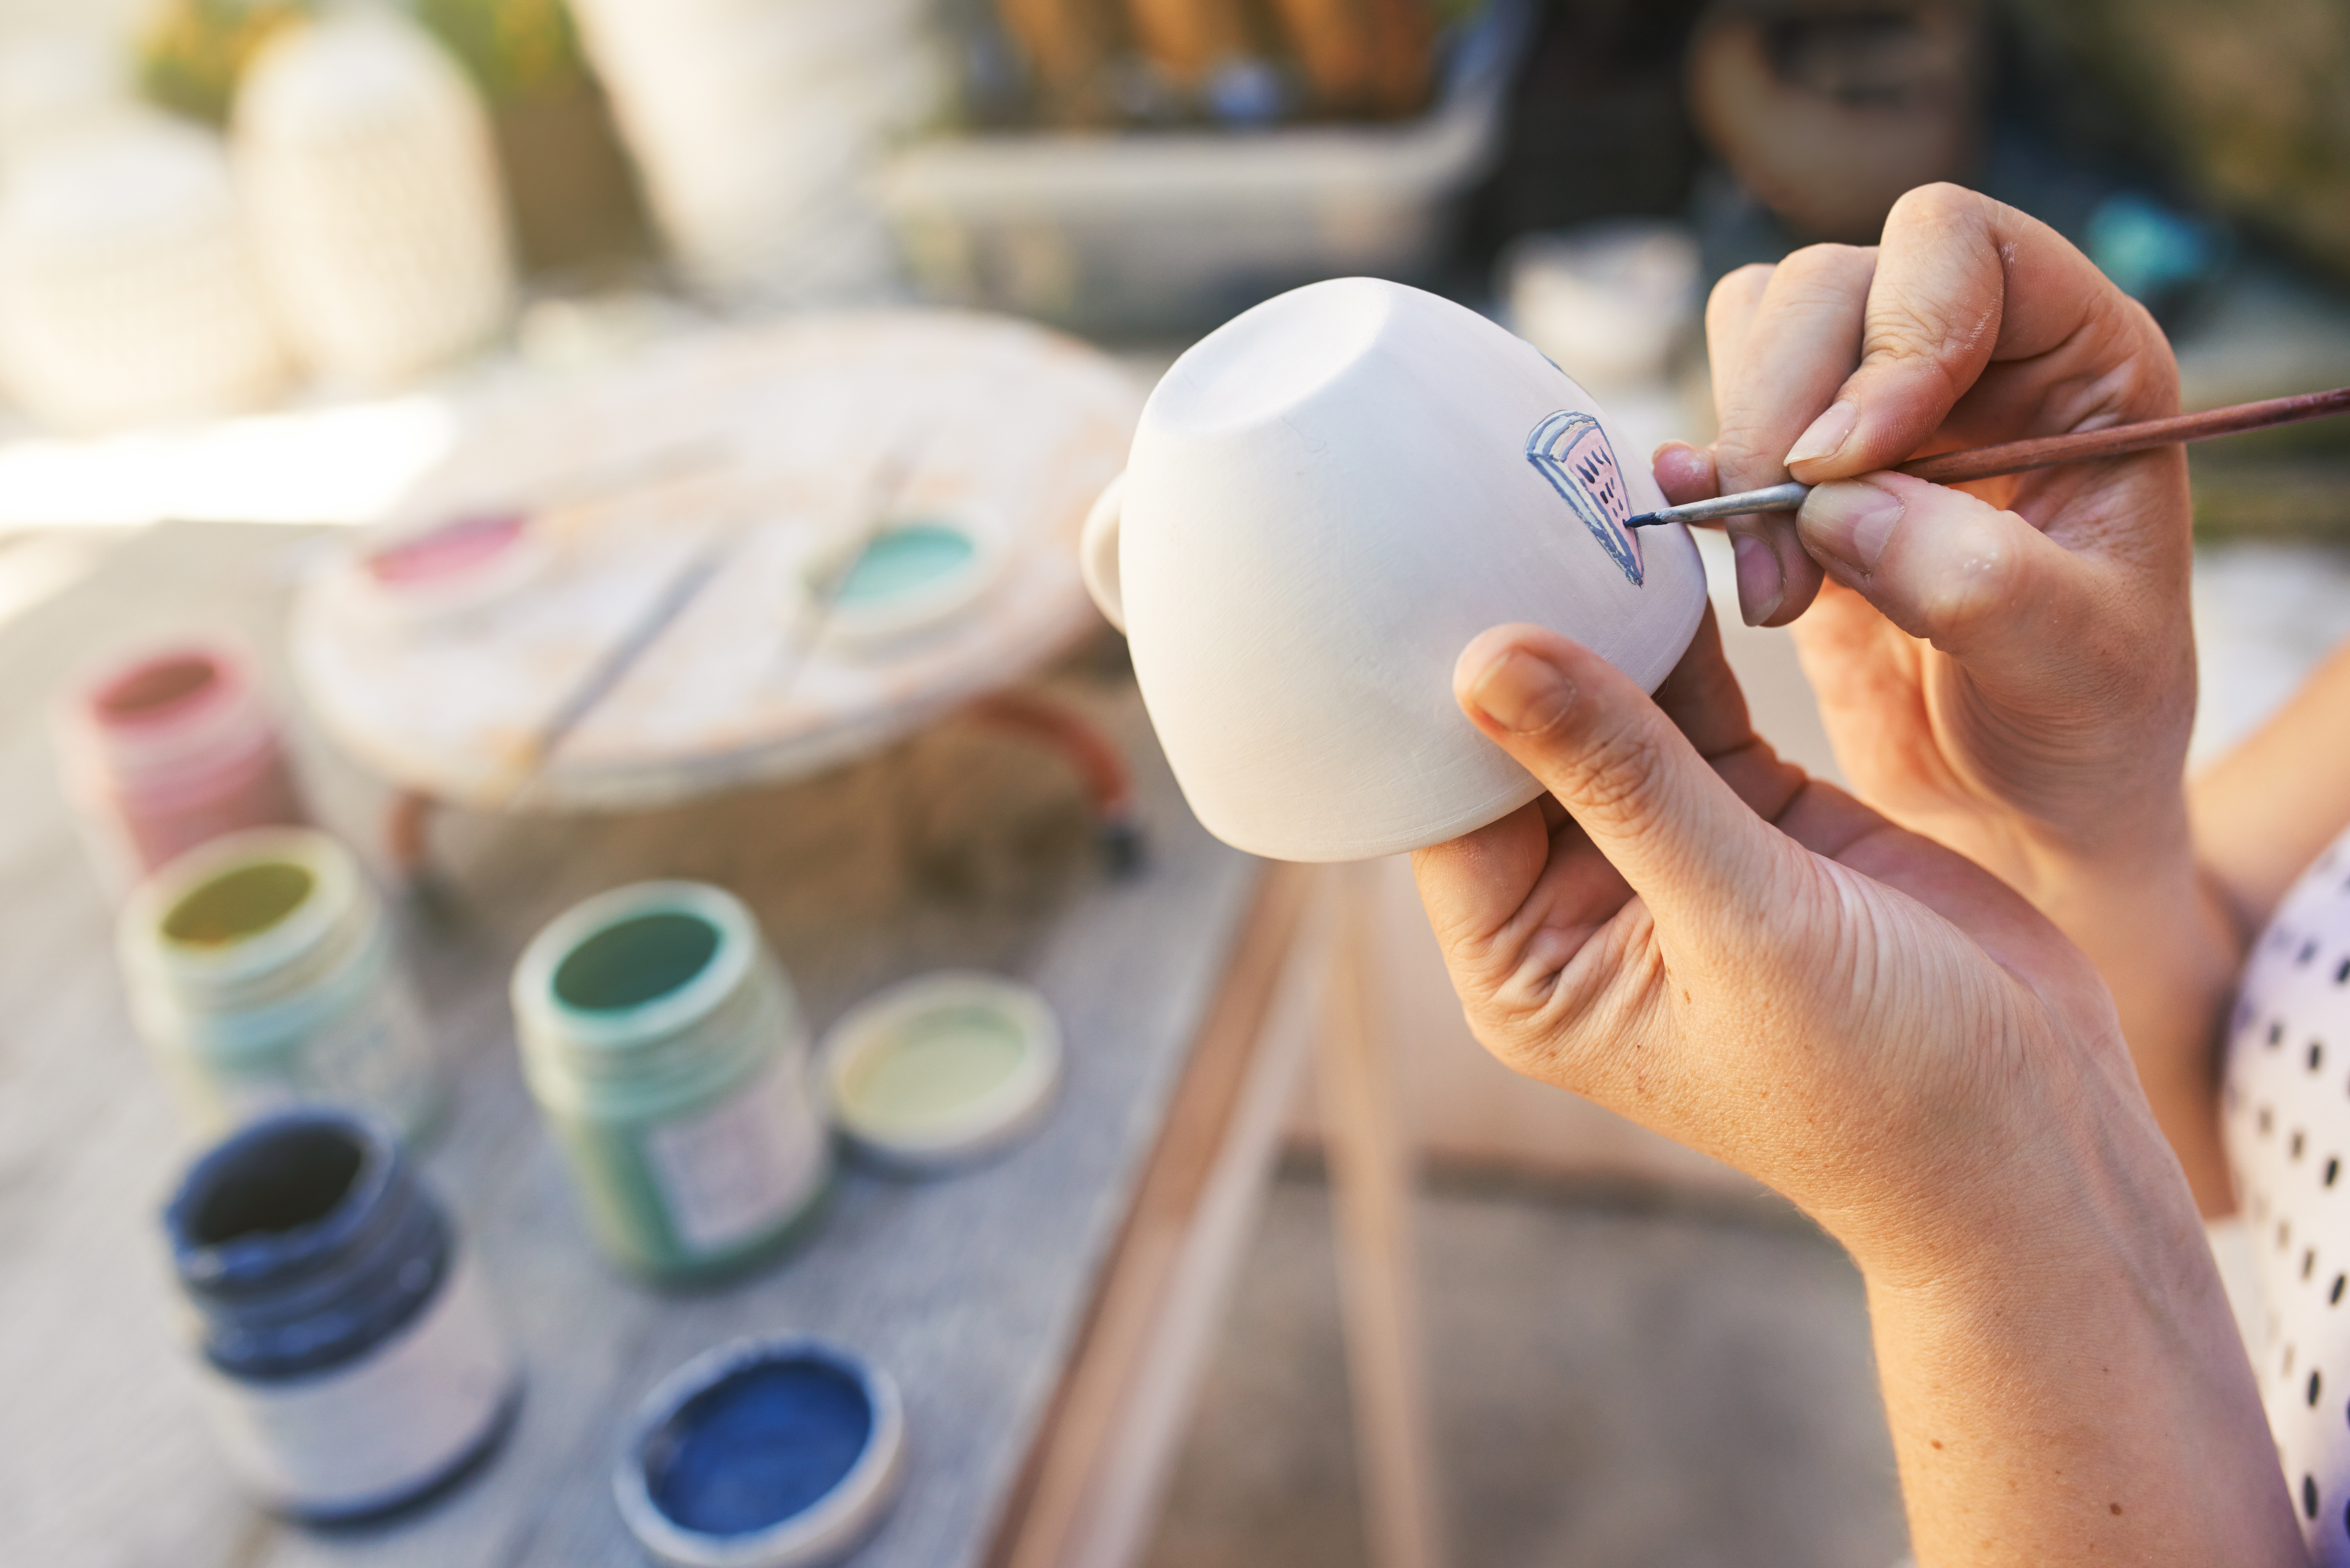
(769, 457)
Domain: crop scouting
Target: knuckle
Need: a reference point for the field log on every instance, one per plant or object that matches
(1549, 1012)
(1741, 452)
(1740, 287)
(1828, 272)
(1900, 331)
(1615, 779)
(1940, 205)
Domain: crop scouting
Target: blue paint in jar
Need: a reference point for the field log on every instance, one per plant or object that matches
(350, 1361)
(772, 1453)
(303, 1244)
(758, 1448)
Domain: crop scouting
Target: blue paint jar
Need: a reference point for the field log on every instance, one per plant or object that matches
(350, 1361)
(764, 1453)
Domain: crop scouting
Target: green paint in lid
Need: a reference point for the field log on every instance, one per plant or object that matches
(942, 1069)
(905, 559)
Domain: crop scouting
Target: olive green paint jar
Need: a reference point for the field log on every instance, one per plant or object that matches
(669, 1056)
(262, 973)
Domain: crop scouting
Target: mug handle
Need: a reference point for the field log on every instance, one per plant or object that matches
(1098, 551)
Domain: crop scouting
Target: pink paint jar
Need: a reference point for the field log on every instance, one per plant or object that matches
(171, 749)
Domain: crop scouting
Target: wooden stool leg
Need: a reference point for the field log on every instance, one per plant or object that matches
(1371, 1181)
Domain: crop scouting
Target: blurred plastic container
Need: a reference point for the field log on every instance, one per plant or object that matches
(1169, 231)
(1608, 301)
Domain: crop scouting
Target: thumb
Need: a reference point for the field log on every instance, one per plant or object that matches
(1982, 584)
(1672, 828)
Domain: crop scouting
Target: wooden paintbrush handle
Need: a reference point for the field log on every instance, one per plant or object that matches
(2017, 456)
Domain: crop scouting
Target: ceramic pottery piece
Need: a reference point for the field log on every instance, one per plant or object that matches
(377, 213)
(764, 1453)
(349, 1357)
(754, 127)
(942, 1069)
(1327, 498)
(666, 1050)
(2287, 1124)
(262, 973)
(127, 292)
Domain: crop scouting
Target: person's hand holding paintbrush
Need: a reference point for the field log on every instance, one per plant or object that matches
(2007, 668)
(1690, 932)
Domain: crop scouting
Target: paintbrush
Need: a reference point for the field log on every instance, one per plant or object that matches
(2042, 451)
(685, 586)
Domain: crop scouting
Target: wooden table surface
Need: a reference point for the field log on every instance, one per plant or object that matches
(960, 846)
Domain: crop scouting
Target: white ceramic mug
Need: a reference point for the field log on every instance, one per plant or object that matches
(1328, 496)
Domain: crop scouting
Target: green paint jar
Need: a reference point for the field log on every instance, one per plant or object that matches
(666, 1051)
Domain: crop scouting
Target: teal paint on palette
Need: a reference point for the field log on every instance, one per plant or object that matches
(904, 559)
(262, 974)
(911, 578)
(666, 1052)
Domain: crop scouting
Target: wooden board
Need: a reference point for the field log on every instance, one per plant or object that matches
(773, 448)
(958, 846)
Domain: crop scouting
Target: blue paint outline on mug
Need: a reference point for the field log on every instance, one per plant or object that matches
(1571, 451)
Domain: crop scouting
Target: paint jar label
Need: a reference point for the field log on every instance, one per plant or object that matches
(366, 1436)
(743, 1166)
(375, 1053)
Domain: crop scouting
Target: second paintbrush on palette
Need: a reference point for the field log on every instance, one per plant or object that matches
(2043, 451)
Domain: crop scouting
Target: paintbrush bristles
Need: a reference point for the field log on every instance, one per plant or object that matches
(2041, 451)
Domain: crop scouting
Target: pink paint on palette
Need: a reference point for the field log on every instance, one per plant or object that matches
(463, 545)
(454, 568)
(170, 748)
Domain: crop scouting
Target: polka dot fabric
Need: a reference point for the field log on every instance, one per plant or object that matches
(2287, 1112)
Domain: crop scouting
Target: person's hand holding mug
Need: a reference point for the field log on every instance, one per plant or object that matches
(2009, 667)
(1690, 932)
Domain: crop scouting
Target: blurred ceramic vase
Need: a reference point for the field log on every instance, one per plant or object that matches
(127, 292)
(1611, 299)
(54, 83)
(366, 158)
(755, 124)
(1830, 110)
(1328, 496)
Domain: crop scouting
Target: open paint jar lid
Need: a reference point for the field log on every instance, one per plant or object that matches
(943, 1068)
(764, 1453)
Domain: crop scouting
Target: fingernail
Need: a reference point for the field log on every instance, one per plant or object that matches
(1521, 692)
(1826, 432)
(1850, 520)
(1760, 584)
